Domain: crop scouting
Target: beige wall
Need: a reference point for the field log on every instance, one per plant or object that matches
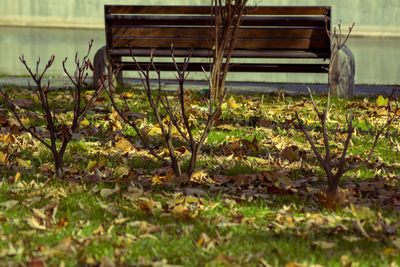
(372, 17)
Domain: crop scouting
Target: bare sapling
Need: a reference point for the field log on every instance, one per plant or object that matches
(176, 118)
(59, 131)
(227, 16)
(335, 167)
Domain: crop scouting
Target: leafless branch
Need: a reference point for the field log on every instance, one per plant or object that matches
(57, 130)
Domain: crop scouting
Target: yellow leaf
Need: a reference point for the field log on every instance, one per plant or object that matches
(6, 138)
(91, 165)
(123, 145)
(201, 177)
(155, 130)
(114, 115)
(162, 179)
(181, 210)
(23, 163)
(17, 176)
(388, 251)
(85, 122)
(381, 101)
(3, 158)
(232, 103)
(127, 94)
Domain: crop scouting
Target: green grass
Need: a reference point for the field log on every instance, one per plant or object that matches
(223, 225)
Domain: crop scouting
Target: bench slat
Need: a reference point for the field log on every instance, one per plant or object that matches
(272, 43)
(292, 10)
(295, 68)
(312, 33)
(134, 20)
(209, 53)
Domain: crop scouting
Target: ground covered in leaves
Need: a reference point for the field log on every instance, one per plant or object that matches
(256, 198)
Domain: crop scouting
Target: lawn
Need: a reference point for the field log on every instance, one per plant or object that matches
(256, 197)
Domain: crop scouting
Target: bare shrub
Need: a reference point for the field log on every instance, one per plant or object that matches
(336, 167)
(58, 130)
(177, 118)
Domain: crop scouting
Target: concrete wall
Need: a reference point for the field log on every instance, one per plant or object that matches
(372, 17)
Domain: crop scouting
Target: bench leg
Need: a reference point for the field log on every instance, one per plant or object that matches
(343, 72)
(100, 63)
(119, 78)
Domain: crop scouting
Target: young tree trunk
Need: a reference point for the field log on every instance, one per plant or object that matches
(333, 184)
(58, 164)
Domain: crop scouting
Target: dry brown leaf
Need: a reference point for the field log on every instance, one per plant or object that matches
(148, 228)
(291, 153)
(147, 205)
(106, 192)
(65, 245)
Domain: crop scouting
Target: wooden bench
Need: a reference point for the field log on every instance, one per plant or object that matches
(266, 32)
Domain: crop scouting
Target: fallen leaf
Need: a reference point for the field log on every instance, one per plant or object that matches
(23, 163)
(106, 262)
(121, 220)
(64, 246)
(99, 230)
(16, 177)
(232, 103)
(291, 153)
(160, 179)
(381, 101)
(148, 228)
(201, 177)
(121, 171)
(389, 251)
(359, 228)
(106, 192)
(36, 223)
(91, 165)
(147, 205)
(3, 158)
(39, 213)
(9, 204)
(123, 145)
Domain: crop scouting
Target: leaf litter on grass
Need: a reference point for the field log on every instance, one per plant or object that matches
(133, 206)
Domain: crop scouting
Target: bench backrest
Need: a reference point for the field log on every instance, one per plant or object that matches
(300, 30)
